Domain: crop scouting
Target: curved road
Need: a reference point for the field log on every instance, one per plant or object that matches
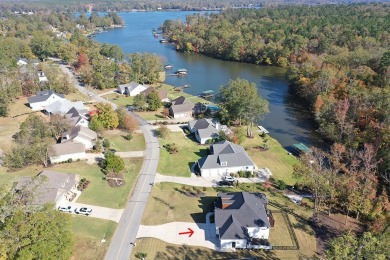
(125, 234)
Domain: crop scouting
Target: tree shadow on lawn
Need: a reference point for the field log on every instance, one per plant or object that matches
(206, 203)
(189, 253)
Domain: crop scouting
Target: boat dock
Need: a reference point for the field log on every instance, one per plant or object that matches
(207, 94)
(262, 129)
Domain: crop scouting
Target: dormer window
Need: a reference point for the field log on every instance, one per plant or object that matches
(224, 163)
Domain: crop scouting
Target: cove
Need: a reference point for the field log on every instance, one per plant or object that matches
(289, 119)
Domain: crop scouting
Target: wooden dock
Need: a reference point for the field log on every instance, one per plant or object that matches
(263, 130)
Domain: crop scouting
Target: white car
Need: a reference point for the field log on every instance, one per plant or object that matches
(83, 211)
(65, 208)
(228, 178)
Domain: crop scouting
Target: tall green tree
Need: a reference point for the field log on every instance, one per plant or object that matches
(153, 100)
(107, 116)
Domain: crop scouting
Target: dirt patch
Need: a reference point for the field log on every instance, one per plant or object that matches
(328, 227)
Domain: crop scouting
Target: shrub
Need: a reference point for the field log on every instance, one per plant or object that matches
(163, 131)
(171, 148)
(186, 131)
(282, 185)
(70, 160)
(241, 174)
(106, 143)
(128, 137)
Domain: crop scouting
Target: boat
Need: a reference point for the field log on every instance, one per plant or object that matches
(181, 71)
(163, 41)
(262, 129)
(207, 94)
(168, 66)
(301, 149)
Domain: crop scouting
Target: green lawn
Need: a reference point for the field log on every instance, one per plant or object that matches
(172, 94)
(119, 99)
(120, 144)
(88, 235)
(152, 115)
(168, 203)
(98, 193)
(179, 164)
(276, 158)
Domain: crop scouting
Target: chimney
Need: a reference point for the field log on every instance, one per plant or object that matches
(226, 203)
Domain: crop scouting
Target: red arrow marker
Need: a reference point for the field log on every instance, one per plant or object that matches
(190, 231)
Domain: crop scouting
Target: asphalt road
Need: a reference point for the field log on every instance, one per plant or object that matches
(126, 231)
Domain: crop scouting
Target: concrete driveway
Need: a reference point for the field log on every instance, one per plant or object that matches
(99, 212)
(204, 234)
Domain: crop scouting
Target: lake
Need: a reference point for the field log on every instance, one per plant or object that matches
(288, 121)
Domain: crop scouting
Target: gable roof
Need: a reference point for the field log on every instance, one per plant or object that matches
(43, 96)
(63, 106)
(225, 151)
(67, 148)
(48, 186)
(200, 124)
(162, 93)
(242, 210)
(180, 101)
(75, 115)
(79, 131)
(181, 104)
(131, 86)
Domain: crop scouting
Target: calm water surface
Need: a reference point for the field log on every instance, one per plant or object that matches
(288, 121)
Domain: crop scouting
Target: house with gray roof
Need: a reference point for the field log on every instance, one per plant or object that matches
(131, 89)
(204, 129)
(181, 107)
(162, 93)
(63, 106)
(62, 152)
(242, 220)
(44, 99)
(225, 158)
(77, 117)
(50, 187)
(80, 134)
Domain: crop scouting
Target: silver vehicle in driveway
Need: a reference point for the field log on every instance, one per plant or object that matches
(68, 209)
(83, 211)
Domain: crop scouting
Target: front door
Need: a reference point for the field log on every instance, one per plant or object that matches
(233, 244)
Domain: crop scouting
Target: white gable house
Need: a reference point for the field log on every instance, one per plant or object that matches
(131, 89)
(80, 134)
(44, 99)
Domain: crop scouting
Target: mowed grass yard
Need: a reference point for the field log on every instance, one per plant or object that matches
(120, 144)
(167, 203)
(119, 99)
(179, 164)
(276, 158)
(88, 234)
(98, 193)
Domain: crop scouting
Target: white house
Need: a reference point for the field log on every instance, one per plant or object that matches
(225, 158)
(63, 106)
(131, 89)
(21, 62)
(242, 220)
(78, 117)
(80, 134)
(44, 99)
(62, 152)
(181, 107)
(204, 129)
(42, 77)
(50, 187)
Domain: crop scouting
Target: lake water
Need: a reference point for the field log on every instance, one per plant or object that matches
(288, 121)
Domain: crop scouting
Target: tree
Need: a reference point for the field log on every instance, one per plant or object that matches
(126, 121)
(4, 103)
(58, 125)
(141, 255)
(42, 45)
(28, 232)
(140, 102)
(153, 100)
(113, 163)
(349, 246)
(163, 131)
(96, 125)
(107, 116)
(243, 102)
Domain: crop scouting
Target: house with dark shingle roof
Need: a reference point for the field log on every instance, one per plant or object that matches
(242, 220)
(77, 117)
(80, 134)
(204, 129)
(225, 158)
(44, 99)
(181, 107)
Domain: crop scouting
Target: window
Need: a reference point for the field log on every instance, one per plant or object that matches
(233, 244)
(223, 163)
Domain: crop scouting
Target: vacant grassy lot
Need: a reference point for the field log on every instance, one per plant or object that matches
(157, 249)
(276, 158)
(168, 203)
(152, 115)
(98, 193)
(179, 164)
(119, 99)
(77, 96)
(172, 94)
(120, 144)
(88, 235)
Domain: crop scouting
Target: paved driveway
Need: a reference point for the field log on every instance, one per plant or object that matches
(99, 212)
(204, 234)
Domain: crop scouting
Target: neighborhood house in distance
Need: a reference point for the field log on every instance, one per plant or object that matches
(181, 107)
(225, 158)
(205, 129)
(242, 220)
